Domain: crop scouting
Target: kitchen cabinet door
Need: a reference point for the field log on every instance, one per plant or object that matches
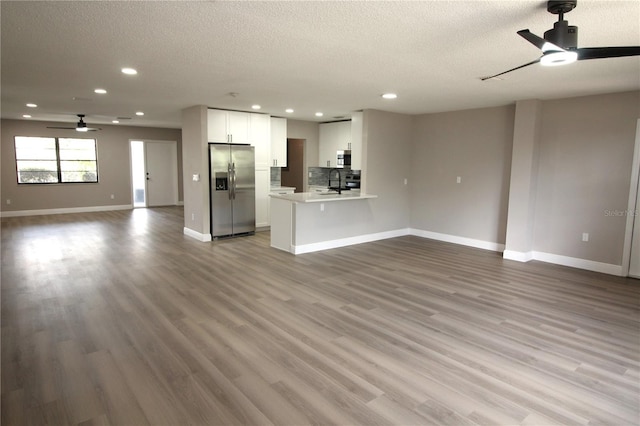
(263, 186)
(228, 126)
(260, 137)
(278, 142)
(334, 137)
(217, 126)
(356, 141)
(238, 126)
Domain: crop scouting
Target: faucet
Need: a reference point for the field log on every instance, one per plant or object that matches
(339, 181)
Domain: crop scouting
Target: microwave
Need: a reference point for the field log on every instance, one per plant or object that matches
(343, 159)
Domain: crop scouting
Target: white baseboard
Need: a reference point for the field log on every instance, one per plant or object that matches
(343, 242)
(518, 256)
(196, 235)
(42, 212)
(486, 245)
(574, 262)
(556, 259)
(180, 203)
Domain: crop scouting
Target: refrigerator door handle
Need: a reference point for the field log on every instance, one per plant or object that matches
(233, 174)
(230, 180)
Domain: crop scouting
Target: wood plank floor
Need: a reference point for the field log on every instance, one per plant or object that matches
(117, 318)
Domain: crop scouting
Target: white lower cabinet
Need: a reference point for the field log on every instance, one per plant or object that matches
(263, 179)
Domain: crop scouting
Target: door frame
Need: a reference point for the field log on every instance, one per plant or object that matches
(174, 170)
(631, 206)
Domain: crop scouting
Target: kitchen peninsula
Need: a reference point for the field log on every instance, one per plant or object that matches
(308, 221)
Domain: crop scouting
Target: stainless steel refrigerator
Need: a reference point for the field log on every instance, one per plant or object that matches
(233, 187)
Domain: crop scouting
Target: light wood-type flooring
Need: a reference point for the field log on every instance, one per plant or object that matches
(118, 318)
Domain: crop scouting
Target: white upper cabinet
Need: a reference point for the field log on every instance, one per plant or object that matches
(356, 140)
(334, 137)
(228, 126)
(260, 137)
(278, 142)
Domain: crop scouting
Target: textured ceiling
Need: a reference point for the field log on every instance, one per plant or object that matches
(334, 57)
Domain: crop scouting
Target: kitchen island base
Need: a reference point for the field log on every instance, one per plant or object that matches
(303, 223)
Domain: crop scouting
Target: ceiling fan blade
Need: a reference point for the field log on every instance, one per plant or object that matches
(607, 52)
(539, 42)
(65, 128)
(512, 69)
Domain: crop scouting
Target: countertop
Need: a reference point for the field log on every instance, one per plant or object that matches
(283, 188)
(318, 197)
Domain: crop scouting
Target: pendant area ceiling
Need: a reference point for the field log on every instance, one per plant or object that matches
(334, 57)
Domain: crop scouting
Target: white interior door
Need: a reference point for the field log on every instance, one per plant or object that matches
(632, 253)
(634, 259)
(161, 160)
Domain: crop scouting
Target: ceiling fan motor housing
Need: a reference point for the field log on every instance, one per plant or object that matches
(563, 35)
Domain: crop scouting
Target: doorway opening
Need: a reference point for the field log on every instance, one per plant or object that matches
(154, 173)
(293, 175)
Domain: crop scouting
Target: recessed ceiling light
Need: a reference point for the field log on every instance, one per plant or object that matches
(389, 96)
(139, 113)
(289, 110)
(26, 116)
(256, 106)
(100, 91)
(115, 121)
(129, 71)
(319, 114)
(32, 105)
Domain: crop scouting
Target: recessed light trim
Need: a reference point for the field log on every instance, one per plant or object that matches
(389, 96)
(30, 105)
(319, 114)
(256, 106)
(289, 110)
(140, 113)
(100, 91)
(129, 71)
(26, 116)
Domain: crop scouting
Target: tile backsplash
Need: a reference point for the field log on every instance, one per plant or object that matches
(320, 176)
(276, 177)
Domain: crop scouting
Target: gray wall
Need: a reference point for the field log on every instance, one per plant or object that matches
(113, 168)
(387, 154)
(196, 161)
(585, 157)
(475, 145)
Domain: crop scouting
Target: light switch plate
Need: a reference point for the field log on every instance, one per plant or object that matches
(196, 177)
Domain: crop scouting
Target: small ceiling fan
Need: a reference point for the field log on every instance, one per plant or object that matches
(80, 127)
(560, 44)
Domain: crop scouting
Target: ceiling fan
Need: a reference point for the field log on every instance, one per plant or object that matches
(560, 44)
(80, 127)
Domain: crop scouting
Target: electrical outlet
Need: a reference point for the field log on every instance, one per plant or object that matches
(310, 174)
(8, 201)
(113, 196)
(585, 236)
(405, 181)
(321, 207)
(193, 216)
(459, 179)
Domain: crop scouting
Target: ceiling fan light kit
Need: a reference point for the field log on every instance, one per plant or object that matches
(560, 44)
(80, 127)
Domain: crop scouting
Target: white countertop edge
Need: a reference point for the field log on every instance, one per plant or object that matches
(282, 188)
(313, 197)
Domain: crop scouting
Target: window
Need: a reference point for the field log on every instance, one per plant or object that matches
(56, 160)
